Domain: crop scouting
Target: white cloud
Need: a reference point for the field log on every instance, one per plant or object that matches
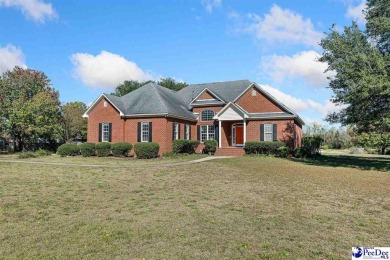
(36, 10)
(300, 105)
(209, 5)
(106, 70)
(11, 56)
(326, 108)
(356, 12)
(301, 65)
(295, 104)
(282, 25)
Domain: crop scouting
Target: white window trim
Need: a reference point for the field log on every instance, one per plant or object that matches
(269, 132)
(207, 133)
(187, 132)
(201, 115)
(106, 131)
(176, 131)
(142, 132)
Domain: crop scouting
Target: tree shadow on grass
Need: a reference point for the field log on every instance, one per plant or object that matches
(363, 163)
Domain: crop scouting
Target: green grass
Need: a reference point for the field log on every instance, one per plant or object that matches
(241, 208)
(342, 158)
(109, 161)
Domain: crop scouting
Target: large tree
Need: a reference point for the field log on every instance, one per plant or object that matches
(130, 85)
(75, 126)
(29, 107)
(361, 62)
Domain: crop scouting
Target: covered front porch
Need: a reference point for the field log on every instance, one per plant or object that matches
(231, 126)
(231, 133)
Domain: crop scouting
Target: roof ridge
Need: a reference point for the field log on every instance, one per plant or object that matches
(216, 82)
(156, 88)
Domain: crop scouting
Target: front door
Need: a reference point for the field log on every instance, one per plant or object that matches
(239, 135)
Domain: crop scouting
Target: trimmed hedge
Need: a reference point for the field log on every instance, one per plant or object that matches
(210, 146)
(282, 152)
(146, 150)
(185, 146)
(121, 149)
(87, 149)
(103, 149)
(263, 147)
(68, 150)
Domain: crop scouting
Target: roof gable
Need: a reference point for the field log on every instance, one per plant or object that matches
(117, 104)
(231, 112)
(226, 91)
(207, 97)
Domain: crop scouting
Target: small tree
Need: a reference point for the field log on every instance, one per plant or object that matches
(74, 125)
(29, 107)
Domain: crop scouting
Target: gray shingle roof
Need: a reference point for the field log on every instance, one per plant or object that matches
(207, 102)
(228, 90)
(151, 99)
(269, 115)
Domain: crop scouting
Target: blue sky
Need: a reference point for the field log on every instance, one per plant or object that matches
(89, 47)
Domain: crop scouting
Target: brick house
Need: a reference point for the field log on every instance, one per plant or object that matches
(231, 112)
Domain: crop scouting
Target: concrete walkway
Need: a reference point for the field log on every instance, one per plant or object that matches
(120, 166)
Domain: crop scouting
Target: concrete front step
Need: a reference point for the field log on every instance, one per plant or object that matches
(230, 151)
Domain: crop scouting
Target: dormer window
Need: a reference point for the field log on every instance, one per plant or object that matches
(207, 115)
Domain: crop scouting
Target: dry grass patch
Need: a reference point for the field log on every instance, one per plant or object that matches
(241, 208)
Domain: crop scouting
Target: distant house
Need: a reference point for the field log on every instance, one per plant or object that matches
(231, 112)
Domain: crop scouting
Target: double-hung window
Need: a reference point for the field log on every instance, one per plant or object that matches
(187, 132)
(268, 132)
(175, 131)
(207, 132)
(145, 132)
(105, 132)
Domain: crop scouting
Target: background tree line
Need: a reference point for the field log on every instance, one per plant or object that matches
(360, 60)
(32, 116)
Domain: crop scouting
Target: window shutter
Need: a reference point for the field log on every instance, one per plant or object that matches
(139, 132)
(217, 133)
(150, 132)
(100, 132)
(198, 132)
(178, 131)
(261, 132)
(109, 132)
(275, 132)
(189, 132)
(173, 131)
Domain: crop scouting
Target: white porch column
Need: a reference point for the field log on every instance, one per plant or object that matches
(219, 133)
(244, 130)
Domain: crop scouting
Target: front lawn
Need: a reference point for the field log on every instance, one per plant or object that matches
(237, 208)
(109, 161)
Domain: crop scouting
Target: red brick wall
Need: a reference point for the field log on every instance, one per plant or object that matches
(182, 123)
(298, 134)
(205, 95)
(194, 129)
(159, 129)
(258, 103)
(101, 114)
(253, 128)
